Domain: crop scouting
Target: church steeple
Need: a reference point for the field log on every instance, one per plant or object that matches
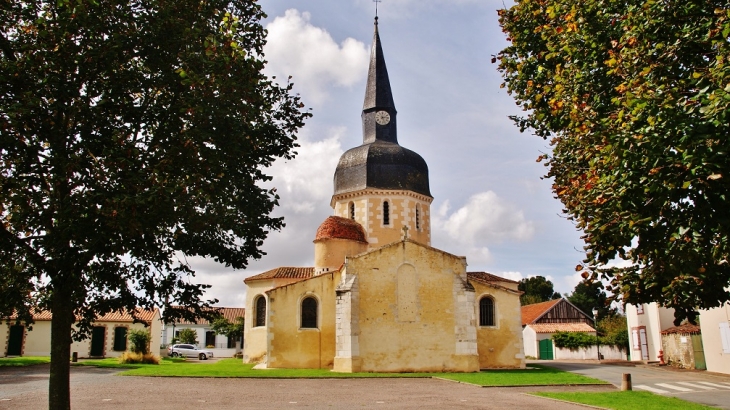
(378, 111)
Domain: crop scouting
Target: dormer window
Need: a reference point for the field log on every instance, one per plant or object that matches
(386, 213)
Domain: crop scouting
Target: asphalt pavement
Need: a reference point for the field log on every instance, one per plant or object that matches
(697, 386)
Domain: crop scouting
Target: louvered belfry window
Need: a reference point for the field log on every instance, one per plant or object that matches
(260, 311)
(309, 313)
(486, 312)
(386, 213)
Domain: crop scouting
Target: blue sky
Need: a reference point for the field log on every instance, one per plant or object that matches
(490, 203)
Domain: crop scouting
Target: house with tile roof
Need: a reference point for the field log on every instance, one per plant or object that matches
(108, 335)
(541, 320)
(379, 297)
(222, 345)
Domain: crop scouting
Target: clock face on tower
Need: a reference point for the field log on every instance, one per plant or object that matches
(382, 117)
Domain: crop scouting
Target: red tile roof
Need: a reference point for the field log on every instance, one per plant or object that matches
(531, 313)
(229, 313)
(560, 327)
(487, 277)
(144, 315)
(283, 273)
(684, 328)
(336, 227)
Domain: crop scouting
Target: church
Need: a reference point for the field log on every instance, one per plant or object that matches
(379, 298)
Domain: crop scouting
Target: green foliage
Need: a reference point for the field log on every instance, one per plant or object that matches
(133, 134)
(188, 336)
(221, 326)
(589, 295)
(634, 98)
(139, 341)
(615, 331)
(537, 289)
(573, 340)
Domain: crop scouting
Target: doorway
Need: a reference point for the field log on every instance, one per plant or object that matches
(98, 334)
(15, 340)
(546, 349)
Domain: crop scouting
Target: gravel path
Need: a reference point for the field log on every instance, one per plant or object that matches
(92, 388)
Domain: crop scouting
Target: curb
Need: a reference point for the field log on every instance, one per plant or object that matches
(566, 402)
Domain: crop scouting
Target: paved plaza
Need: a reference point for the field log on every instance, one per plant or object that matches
(92, 388)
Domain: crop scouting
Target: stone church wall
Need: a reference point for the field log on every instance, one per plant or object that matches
(408, 315)
(500, 346)
(288, 345)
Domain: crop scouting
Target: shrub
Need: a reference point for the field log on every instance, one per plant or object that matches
(188, 336)
(139, 341)
(138, 358)
(573, 340)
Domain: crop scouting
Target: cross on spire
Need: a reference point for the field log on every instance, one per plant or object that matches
(376, 7)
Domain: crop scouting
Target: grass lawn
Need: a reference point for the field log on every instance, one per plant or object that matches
(24, 361)
(234, 368)
(627, 400)
(539, 376)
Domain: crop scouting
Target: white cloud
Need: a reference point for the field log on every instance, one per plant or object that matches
(305, 183)
(516, 276)
(485, 219)
(309, 54)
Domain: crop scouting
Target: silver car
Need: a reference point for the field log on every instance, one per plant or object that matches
(189, 351)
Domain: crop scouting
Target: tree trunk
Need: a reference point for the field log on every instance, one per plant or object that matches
(59, 396)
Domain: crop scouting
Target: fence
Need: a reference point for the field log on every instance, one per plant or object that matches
(589, 353)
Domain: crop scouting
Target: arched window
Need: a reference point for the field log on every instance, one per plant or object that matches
(309, 313)
(352, 211)
(486, 312)
(418, 217)
(260, 311)
(386, 213)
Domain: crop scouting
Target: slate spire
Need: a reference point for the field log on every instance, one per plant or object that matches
(378, 111)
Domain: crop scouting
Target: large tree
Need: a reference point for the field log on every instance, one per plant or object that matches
(588, 295)
(634, 97)
(537, 289)
(133, 134)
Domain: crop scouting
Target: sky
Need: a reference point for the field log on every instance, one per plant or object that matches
(490, 202)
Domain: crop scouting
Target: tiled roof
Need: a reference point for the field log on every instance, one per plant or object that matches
(684, 328)
(530, 313)
(487, 277)
(336, 227)
(229, 313)
(144, 315)
(560, 327)
(283, 273)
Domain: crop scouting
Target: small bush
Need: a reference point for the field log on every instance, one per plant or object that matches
(188, 336)
(138, 358)
(139, 341)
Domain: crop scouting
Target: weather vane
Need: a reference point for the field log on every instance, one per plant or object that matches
(376, 7)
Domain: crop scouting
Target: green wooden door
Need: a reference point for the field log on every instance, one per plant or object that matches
(546, 349)
(97, 341)
(699, 352)
(15, 340)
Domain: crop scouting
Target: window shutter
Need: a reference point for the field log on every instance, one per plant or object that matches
(725, 336)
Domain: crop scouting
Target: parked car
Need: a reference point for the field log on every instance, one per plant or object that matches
(189, 351)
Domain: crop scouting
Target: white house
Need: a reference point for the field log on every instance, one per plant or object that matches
(108, 335)
(645, 323)
(715, 325)
(222, 346)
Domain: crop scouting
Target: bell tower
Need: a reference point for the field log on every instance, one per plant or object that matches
(380, 184)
